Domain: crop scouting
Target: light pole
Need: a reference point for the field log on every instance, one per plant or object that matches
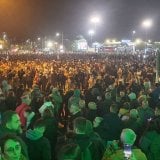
(60, 34)
(133, 45)
(95, 20)
(133, 34)
(62, 38)
(91, 32)
(147, 24)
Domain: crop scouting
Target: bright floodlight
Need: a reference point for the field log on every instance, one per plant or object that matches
(95, 19)
(38, 38)
(108, 41)
(147, 23)
(49, 44)
(61, 47)
(134, 32)
(1, 46)
(91, 32)
(57, 34)
(138, 41)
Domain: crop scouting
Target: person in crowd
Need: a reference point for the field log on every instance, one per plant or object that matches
(11, 148)
(92, 111)
(111, 125)
(3, 106)
(133, 100)
(11, 100)
(134, 121)
(75, 112)
(150, 137)
(82, 106)
(38, 146)
(46, 105)
(51, 129)
(127, 150)
(104, 107)
(37, 98)
(11, 124)
(123, 98)
(90, 144)
(57, 101)
(97, 125)
(75, 98)
(124, 111)
(29, 115)
(145, 112)
(6, 87)
(23, 107)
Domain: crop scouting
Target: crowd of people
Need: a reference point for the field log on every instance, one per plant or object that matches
(79, 107)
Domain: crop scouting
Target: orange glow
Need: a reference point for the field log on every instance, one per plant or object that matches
(15, 15)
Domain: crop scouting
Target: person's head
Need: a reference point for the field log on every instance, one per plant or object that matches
(48, 113)
(122, 93)
(55, 91)
(97, 121)
(142, 98)
(10, 93)
(144, 103)
(82, 126)
(114, 108)
(134, 113)
(108, 95)
(82, 103)
(11, 120)
(74, 108)
(77, 93)
(10, 147)
(132, 96)
(128, 136)
(39, 126)
(126, 106)
(70, 152)
(26, 98)
(92, 106)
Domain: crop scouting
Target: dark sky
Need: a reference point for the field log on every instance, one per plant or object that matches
(32, 18)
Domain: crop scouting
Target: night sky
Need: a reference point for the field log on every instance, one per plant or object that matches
(32, 18)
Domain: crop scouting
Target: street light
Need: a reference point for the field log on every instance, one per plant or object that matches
(62, 38)
(147, 24)
(133, 33)
(95, 20)
(57, 34)
(49, 44)
(91, 32)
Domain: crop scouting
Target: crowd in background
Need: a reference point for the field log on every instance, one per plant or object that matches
(80, 107)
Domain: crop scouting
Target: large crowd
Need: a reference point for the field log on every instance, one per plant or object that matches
(79, 107)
